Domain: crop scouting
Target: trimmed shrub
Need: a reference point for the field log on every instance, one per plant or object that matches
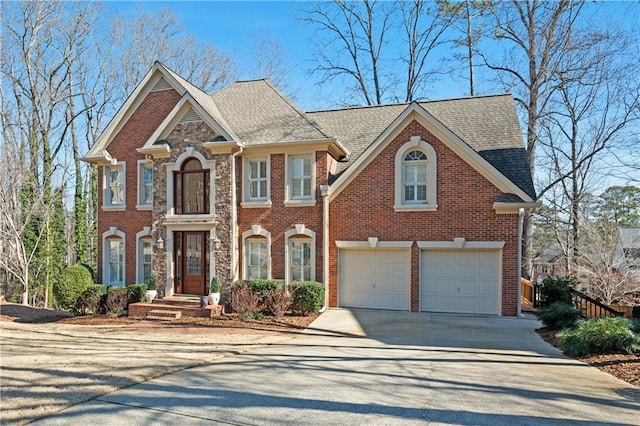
(89, 300)
(557, 289)
(308, 297)
(279, 302)
(75, 279)
(214, 286)
(559, 315)
(137, 293)
(151, 283)
(262, 287)
(115, 300)
(244, 300)
(600, 336)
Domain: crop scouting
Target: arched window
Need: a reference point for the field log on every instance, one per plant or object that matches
(415, 177)
(191, 188)
(113, 256)
(416, 174)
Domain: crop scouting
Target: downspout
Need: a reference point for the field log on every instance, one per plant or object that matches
(519, 284)
(234, 216)
(324, 190)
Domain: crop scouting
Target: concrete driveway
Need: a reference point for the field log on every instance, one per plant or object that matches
(377, 367)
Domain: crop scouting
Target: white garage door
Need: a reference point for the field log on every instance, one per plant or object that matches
(374, 278)
(460, 281)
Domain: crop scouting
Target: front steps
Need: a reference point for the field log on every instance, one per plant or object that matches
(174, 307)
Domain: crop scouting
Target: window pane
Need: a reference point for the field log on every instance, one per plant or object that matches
(409, 192)
(421, 173)
(307, 166)
(262, 189)
(116, 178)
(409, 174)
(422, 193)
(147, 196)
(263, 169)
(254, 189)
(253, 169)
(193, 193)
(297, 167)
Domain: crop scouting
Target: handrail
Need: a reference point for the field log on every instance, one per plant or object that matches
(591, 307)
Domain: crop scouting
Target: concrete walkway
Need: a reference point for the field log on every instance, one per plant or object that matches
(377, 367)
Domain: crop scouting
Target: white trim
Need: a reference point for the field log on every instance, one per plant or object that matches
(513, 208)
(145, 233)
(455, 245)
(300, 202)
(132, 103)
(106, 254)
(106, 175)
(416, 112)
(297, 231)
(367, 244)
(258, 202)
(206, 164)
(334, 147)
(416, 143)
(140, 186)
(255, 231)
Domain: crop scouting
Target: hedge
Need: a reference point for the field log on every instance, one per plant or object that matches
(308, 297)
(75, 279)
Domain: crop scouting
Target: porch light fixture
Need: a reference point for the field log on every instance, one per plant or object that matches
(216, 243)
(160, 243)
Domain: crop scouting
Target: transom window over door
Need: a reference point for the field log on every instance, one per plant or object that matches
(192, 188)
(415, 177)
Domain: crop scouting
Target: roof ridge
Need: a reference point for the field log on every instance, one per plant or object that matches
(295, 108)
(461, 98)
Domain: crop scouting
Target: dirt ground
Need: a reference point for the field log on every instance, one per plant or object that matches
(49, 361)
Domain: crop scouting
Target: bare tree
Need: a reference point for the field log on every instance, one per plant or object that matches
(604, 269)
(350, 39)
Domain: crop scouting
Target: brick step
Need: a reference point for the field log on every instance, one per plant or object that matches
(192, 301)
(163, 315)
(143, 309)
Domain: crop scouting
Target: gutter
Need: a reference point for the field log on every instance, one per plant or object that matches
(519, 286)
(234, 215)
(324, 190)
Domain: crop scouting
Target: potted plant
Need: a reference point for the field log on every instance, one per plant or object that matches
(214, 291)
(152, 289)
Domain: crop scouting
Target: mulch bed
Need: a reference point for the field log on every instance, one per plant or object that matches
(623, 366)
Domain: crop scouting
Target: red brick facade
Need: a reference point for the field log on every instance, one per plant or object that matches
(465, 209)
(135, 132)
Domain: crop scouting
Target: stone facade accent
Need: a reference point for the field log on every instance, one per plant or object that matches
(182, 137)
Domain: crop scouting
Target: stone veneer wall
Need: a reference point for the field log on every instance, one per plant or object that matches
(193, 135)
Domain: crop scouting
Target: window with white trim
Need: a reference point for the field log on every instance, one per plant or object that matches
(257, 258)
(300, 179)
(300, 259)
(415, 177)
(114, 188)
(115, 260)
(145, 184)
(145, 259)
(256, 181)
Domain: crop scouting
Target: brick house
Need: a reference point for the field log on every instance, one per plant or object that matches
(406, 207)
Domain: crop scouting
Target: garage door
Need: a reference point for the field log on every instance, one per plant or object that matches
(460, 281)
(376, 278)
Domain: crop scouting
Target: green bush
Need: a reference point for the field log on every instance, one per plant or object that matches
(263, 287)
(74, 280)
(600, 336)
(557, 289)
(151, 283)
(559, 315)
(214, 286)
(115, 300)
(137, 293)
(90, 300)
(308, 297)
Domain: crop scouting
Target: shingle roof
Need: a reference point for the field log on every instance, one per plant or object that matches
(260, 114)
(488, 124)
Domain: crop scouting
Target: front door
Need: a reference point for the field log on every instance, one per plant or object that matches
(191, 262)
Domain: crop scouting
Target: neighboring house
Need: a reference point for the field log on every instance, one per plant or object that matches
(551, 261)
(406, 207)
(628, 246)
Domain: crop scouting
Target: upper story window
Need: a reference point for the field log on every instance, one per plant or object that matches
(145, 184)
(191, 188)
(256, 182)
(300, 179)
(114, 185)
(415, 177)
